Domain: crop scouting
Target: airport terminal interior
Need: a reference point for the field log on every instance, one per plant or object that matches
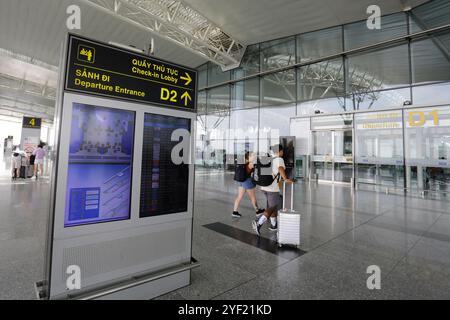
(357, 93)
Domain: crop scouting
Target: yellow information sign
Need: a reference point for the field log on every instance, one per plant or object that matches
(101, 69)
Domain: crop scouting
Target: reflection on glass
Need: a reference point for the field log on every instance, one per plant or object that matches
(245, 94)
(323, 170)
(427, 143)
(321, 80)
(343, 143)
(379, 148)
(245, 120)
(392, 176)
(343, 172)
(219, 100)
(277, 53)
(342, 121)
(317, 44)
(366, 173)
(200, 139)
(216, 154)
(250, 63)
(201, 102)
(217, 125)
(343, 155)
(276, 119)
(279, 88)
(328, 105)
(433, 13)
(378, 100)
(322, 143)
(358, 35)
(203, 76)
(431, 94)
(430, 63)
(382, 69)
(201, 126)
(216, 75)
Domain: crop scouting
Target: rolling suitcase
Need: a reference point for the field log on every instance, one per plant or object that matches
(288, 222)
(22, 172)
(23, 167)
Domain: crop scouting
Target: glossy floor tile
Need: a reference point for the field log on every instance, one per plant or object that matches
(343, 232)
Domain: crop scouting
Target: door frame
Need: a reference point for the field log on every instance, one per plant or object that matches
(333, 155)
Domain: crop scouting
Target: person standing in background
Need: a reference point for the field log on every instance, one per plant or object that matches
(39, 154)
(16, 162)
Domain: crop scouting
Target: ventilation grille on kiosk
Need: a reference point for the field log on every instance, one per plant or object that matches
(112, 255)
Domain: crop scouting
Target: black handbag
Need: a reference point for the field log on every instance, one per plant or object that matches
(240, 174)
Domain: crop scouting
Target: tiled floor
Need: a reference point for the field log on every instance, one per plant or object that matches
(342, 232)
(23, 217)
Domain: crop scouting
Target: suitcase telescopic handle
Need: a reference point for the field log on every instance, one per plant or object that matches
(292, 196)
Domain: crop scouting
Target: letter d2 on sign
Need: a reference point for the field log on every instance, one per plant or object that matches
(133, 76)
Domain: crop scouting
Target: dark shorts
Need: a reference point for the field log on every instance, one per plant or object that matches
(274, 200)
(248, 184)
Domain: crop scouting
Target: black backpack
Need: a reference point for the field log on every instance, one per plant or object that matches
(240, 174)
(262, 175)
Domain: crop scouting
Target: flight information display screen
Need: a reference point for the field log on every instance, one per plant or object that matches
(100, 165)
(164, 184)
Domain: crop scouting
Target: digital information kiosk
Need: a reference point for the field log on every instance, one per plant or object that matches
(122, 208)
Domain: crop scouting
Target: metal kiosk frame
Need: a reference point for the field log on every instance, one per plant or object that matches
(135, 258)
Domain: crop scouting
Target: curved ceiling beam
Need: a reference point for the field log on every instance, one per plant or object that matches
(177, 22)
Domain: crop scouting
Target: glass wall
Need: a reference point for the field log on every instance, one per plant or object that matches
(319, 44)
(357, 34)
(321, 80)
(277, 53)
(278, 89)
(387, 70)
(427, 149)
(250, 63)
(379, 148)
(245, 94)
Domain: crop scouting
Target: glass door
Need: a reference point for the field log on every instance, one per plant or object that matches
(322, 159)
(427, 150)
(332, 158)
(343, 156)
(379, 150)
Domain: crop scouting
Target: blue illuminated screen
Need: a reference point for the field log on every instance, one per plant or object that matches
(100, 165)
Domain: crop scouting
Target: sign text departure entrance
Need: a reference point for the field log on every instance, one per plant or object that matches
(105, 70)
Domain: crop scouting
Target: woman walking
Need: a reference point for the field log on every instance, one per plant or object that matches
(247, 186)
(39, 154)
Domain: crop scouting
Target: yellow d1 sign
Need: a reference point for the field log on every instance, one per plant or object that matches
(418, 118)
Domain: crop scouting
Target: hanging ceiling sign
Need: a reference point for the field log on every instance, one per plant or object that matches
(31, 122)
(101, 69)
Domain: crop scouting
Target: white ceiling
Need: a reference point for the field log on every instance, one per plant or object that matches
(253, 21)
(28, 71)
(36, 28)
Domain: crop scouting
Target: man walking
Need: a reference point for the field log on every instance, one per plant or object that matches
(272, 192)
